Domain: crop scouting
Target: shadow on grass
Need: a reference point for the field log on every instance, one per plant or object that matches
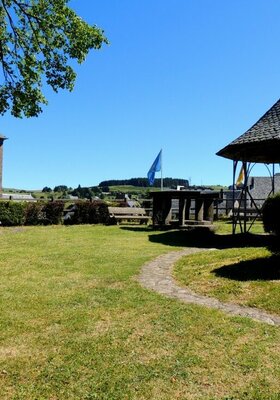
(265, 269)
(207, 239)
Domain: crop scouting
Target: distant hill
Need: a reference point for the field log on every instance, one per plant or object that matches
(143, 182)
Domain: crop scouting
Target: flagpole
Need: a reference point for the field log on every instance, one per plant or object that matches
(161, 181)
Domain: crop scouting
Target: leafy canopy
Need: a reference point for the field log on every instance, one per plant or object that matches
(38, 38)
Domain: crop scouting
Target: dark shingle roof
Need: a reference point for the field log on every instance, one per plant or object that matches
(260, 143)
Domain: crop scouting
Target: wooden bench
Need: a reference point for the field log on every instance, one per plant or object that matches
(251, 212)
(119, 214)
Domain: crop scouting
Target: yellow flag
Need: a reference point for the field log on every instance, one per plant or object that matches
(241, 176)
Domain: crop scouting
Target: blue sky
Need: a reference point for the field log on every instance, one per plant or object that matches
(187, 76)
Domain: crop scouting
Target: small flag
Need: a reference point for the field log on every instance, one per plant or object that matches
(241, 176)
(156, 166)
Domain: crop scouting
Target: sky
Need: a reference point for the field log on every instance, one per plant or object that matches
(184, 76)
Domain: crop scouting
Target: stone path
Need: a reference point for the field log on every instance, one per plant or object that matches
(156, 275)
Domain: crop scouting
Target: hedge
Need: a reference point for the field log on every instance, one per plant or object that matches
(95, 212)
(51, 213)
(37, 213)
(42, 213)
(12, 213)
(271, 214)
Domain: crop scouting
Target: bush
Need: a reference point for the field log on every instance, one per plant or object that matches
(53, 212)
(85, 212)
(271, 221)
(42, 213)
(271, 215)
(103, 213)
(34, 214)
(12, 213)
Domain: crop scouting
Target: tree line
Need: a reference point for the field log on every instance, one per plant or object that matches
(143, 182)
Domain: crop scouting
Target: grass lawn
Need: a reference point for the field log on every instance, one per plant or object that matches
(75, 324)
(245, 276)
(239, 274)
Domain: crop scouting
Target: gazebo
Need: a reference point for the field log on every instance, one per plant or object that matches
(259, 144)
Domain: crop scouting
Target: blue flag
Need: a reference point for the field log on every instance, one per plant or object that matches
(156, 166)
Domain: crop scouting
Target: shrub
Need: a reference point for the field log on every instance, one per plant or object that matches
(50, 213)
(85, 212)
(42, 213)
(53, 211)
(12, 213)
(271, 214)
(34, 214)
(103, 213)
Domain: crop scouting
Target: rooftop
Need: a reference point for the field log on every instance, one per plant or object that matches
(260, 143)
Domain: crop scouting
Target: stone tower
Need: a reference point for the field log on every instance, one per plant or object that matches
(2, 138)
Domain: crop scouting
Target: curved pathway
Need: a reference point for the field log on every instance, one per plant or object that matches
(156, 275)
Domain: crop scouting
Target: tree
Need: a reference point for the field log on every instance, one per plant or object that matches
(60, 188)
(83, 192)
(46, 189)
(38, 39)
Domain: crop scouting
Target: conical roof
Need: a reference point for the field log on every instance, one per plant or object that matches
(260, 143)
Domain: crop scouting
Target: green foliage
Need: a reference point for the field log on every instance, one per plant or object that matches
(34, 213)
(42, 213)
(60, 188)
(143, 182)
(105, 189)
(38, 39)
(271, 221)
(271, 214)
(53, 211)
(85, 212)
(12, 213)
(87, 192)
(46, 189)
(103, 213)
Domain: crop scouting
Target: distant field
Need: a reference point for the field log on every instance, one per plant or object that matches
(131, 189)
(119, 188)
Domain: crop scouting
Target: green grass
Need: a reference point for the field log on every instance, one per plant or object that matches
(225, 227)
(75, 324)
(246, 276)
(137, 190)
(239, 274)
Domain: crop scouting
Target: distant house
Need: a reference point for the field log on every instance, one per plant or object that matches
(71, 197)
(261, 186)
(17, 197)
